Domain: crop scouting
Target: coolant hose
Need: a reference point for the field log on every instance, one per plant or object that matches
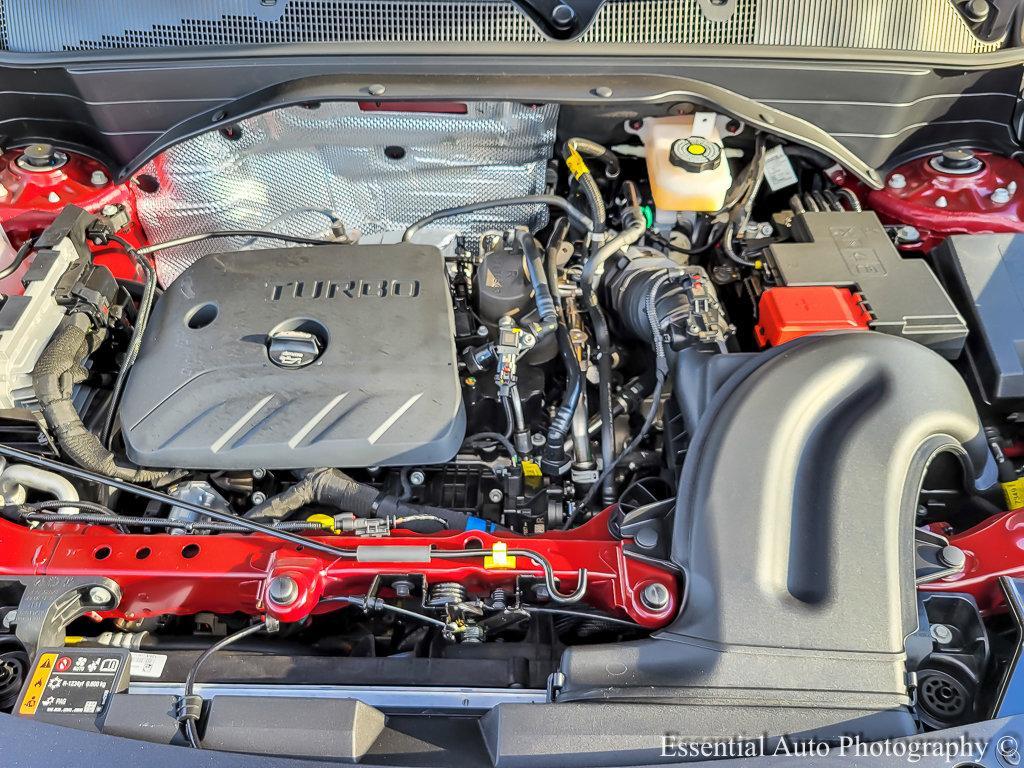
(60, 366)
(553, 457)
(15, 478)
(636, 226)
(333, 488)
(599, 152)
(538, 280)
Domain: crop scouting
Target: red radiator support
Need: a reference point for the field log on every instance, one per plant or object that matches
(994, 548)
(224, 573)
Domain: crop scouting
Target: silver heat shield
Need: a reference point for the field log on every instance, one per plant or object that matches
(296, 170)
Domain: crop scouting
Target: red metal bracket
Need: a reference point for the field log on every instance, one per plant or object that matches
(992, 549)
(224, 573)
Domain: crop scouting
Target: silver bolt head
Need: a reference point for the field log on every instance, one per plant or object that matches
(897, 181)
(655, 596)
(941, 202)
(100, 596)
(495, 495)
(10, 619)
(98, 179)
(376, 90)
(258, 497)
(259, 473)
(282, 590)
(417, 477)
(110, 209)
(1000, 196)
(942, 634)
(537, 440)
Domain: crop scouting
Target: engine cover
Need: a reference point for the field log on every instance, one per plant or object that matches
(340, 356)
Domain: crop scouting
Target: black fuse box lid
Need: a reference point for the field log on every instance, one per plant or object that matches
(985, 274)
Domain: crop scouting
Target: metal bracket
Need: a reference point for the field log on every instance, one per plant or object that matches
(50, 603)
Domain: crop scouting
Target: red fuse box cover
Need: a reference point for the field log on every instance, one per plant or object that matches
(788, 313)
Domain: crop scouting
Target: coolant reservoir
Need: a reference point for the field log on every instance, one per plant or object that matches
(685, 161)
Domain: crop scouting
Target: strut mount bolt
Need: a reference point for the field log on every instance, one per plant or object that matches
(283, 590)
(402, 587)
(897, 181)
(655, 597)
(98, 179)
(100, 596)
(1000, 196)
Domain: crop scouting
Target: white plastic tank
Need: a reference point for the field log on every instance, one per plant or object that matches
(686, 162)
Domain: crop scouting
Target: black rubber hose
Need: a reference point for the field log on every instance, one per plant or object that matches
(189, 711)
(333, 488)
(60, 366)
(595, 201)
(552, 200)
(596, 151)
(559, 231)
(538, 279)
(553, 457)
(135, 344)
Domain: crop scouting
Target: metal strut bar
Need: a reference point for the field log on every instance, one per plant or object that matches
(308, 543)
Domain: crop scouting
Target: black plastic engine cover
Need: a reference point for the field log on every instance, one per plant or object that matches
(299, 357)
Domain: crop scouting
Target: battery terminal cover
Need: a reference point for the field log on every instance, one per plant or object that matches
(787, 313)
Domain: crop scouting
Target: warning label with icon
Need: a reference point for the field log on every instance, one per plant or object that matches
(73, 687)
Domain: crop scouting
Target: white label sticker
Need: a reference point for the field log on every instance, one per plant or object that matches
(778, 171)
(149, 665)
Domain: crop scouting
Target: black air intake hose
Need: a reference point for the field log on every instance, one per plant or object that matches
(60, 366)
(333, 488)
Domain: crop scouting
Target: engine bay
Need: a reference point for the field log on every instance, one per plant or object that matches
(439, 395)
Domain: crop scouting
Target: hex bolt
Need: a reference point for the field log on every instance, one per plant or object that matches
(655, 596)
(495, 495)
(98, 179)
(376, 90)
(402, 587)
(942, 634)
(100, 595)
(952, 556)
(110, 209)
(259, 473)
(258, 497)
(1000, 196)
(537, 440)
(897, 181)
(908, 234)
(417, 477)
(283, 590)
